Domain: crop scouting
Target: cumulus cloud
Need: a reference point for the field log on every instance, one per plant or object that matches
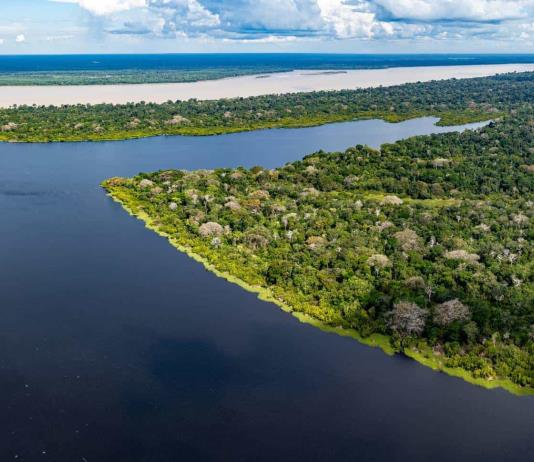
(446, 10)
(339, 19)
(352, 20)
(20, 38)
(57, 38)
(106, 7)
(183, 15)
(281, 17)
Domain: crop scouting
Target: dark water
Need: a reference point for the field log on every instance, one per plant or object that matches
(262, 61)
(115, 347)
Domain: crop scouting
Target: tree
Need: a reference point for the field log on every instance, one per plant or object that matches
(451, 311)
(211, 229)
(408, 319)
(379, 262)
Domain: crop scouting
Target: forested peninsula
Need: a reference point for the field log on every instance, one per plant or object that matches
(423, 247)
(454, 101)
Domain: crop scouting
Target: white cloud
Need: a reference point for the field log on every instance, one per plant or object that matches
(467, 10)
(57, 38)
(267, 39)
(20, 38)
(106, 7)
(183, 15)
(247, 20)
(265, 16)
(352, 20)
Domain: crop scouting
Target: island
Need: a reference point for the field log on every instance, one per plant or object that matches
(423, 247)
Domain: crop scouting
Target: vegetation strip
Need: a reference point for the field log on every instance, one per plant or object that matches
(126, 77)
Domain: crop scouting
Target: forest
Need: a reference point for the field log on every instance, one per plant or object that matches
(454, 101)
(427, 242)
(126, 77)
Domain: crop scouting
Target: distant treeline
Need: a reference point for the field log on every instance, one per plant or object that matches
(119, 77)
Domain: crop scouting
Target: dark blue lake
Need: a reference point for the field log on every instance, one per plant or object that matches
(115, 347)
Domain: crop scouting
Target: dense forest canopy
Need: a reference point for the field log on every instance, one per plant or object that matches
(455, 101)
(428, 240)
(126, 77)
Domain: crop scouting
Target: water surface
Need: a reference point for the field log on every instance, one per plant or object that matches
(115, 347)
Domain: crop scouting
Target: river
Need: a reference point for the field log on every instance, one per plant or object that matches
(245, 86)
(116, 347)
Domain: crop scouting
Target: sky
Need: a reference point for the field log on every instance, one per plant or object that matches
(339, 26)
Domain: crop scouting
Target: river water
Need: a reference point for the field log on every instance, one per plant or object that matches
(116, 347)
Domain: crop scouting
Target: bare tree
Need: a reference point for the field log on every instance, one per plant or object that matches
(450, 311)
(408, 319)
(211, 229)
(378, 262)
(408, 240)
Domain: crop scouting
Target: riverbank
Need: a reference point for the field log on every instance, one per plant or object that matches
(245, 86)
(423, 354)
(449, 119)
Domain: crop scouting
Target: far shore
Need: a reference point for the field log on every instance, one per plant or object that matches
(252, 85)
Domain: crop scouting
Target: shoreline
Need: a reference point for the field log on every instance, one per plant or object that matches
(442, 120)
(426, 358)
(298, 81)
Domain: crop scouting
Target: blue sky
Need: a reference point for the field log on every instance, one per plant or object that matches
(359, 26)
